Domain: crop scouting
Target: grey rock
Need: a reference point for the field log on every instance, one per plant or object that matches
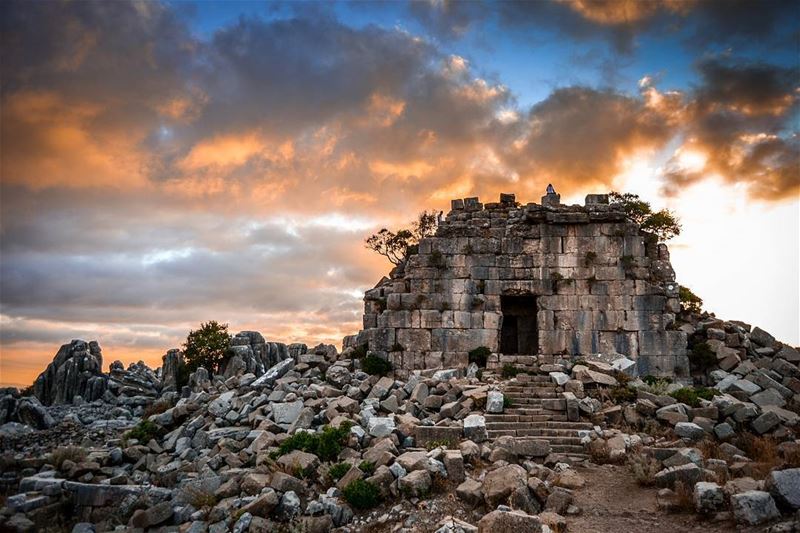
(475, 428)
(70, 373)
(784, 486)
(708, 497)
(32, 413)
(689, 430)
(494, 402)
(754, 507)
(286, 412)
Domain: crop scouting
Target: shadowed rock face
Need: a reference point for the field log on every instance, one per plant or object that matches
(76, 370)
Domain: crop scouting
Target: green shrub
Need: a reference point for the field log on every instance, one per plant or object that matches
(507, 402)
(375, 366)
(702, 357)
(207, 347)
(656, 385)
(143, 432)
(653, 380)
(368, 467)
(397, 347)
(692, 396)
(479, 356)
(337, 471)
(509, 371)
(360, 351)
(325, 444)
(689, 300)
(362, 494)
(589, 259)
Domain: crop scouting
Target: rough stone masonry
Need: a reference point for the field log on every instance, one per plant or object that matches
(533, 284)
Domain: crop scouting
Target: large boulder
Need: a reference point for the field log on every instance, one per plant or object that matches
(784, 485)
(754, 507)
(70, 374)
(499, 484)
(33, 414)
(509, 522)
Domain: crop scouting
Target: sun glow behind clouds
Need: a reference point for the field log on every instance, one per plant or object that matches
(725, 238)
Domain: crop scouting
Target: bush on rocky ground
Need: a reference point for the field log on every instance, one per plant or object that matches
(362, 494)
(325, 444)
(510, 371)
(644, 468)
(691, 396)
(143, 432)
(338, 470)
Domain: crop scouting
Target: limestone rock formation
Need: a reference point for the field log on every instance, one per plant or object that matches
(172, 368)
(252, 354)
(76, 370)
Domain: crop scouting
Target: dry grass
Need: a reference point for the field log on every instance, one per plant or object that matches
(763, 451)
(156, 408)
(76, 454)
(684, 498)
(644, 469)
(710, 449)
(791, 457)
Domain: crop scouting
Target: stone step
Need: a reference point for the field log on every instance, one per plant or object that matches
(517, 417)
(532, 387)
(538, 395)
(536, 378)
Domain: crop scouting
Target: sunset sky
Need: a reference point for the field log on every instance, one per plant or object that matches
(169, 163)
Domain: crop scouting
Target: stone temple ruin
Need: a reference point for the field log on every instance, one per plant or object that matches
(534, 284)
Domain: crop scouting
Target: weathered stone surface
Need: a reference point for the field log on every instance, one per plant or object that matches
(688, 474)
(494, 402)
(475, 428)
(689, 430)
(509, 522)
(500, 483)
(754, 507)
(416, 483)
(708, 497)
(602, 290)
(153, 516)
(70, 374)
(784, 486)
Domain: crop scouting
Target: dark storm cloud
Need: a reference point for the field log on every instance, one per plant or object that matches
(581, 135)
(743, 117)
(619, 22)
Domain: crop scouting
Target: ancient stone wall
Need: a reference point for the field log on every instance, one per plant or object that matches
(595, 282)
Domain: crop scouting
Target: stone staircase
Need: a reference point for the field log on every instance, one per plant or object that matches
(538, 411)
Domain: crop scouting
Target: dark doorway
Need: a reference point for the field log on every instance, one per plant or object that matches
(519, 333)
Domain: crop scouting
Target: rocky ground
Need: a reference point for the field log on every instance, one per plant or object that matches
(292, 439)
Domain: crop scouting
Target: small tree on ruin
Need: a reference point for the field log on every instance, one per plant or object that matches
(207, 347)
(663, 224)
(396, 246)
